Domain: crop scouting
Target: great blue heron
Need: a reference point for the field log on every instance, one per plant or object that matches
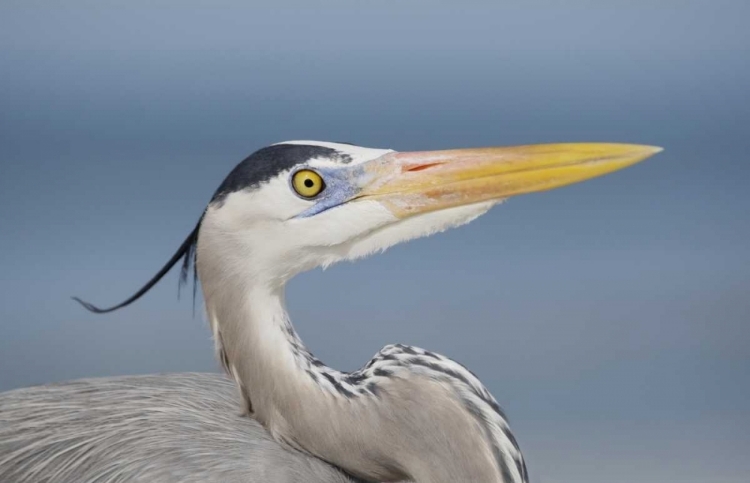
(407, 414)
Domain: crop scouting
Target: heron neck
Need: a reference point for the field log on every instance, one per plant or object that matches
(308, 405)
(258, 344)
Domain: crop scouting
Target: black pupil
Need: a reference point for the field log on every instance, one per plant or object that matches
(309, 183)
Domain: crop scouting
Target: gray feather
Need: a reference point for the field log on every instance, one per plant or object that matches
(157, 428)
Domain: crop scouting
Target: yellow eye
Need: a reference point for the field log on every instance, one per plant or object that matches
(307, 183)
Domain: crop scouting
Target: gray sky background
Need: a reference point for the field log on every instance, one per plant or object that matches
(610, 319)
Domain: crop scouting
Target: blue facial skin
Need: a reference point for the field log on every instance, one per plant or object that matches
(341, 185)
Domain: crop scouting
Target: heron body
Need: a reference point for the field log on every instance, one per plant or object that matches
(408, 413)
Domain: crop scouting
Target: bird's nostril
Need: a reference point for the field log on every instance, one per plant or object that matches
(423, 166)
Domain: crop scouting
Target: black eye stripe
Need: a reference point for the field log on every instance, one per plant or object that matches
(268, 162)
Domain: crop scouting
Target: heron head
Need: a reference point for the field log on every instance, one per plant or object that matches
(297, 205)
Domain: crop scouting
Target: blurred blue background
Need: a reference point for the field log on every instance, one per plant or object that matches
(611, 319)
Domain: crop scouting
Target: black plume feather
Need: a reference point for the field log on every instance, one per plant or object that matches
(188, 255)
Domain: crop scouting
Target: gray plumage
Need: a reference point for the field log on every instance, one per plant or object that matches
(158, 428)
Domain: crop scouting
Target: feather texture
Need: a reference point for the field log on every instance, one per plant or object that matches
(158, 429)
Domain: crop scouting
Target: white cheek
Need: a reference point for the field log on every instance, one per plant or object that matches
(414, 227)
(273, 200)
(340, 224)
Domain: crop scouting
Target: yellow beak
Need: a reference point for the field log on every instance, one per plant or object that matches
(420, 182)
